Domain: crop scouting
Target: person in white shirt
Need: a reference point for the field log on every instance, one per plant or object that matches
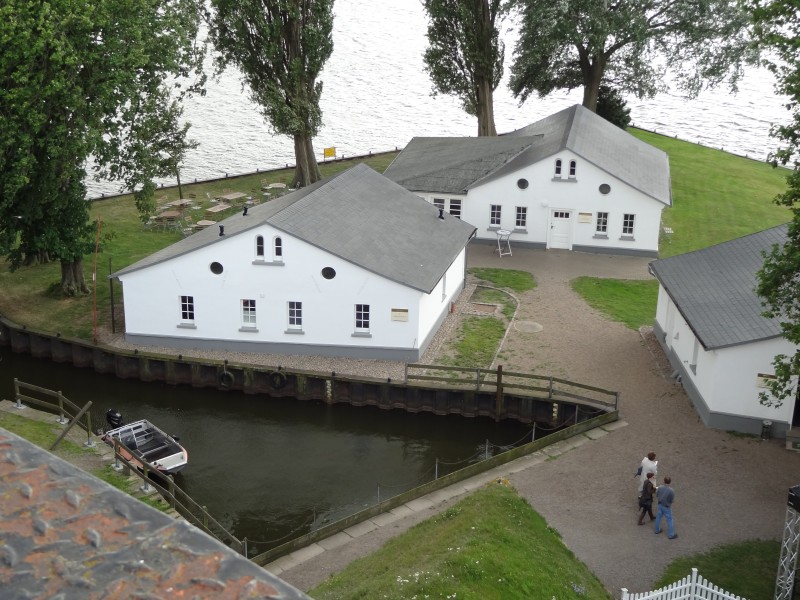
(649, 465)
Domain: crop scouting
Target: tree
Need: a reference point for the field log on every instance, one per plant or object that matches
(612, 107)
(76, 80)
(777, 24)
(628, 44)
(280, 48)
(465, 54)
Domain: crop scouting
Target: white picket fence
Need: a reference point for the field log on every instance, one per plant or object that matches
(691, 587)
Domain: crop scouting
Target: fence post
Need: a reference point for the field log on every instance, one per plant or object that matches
(436, 469)
(550, 388)
(477, 380)
(694, 589)
(486, 450)
(624, 594)
(533, 432)
(89, 440)
(498, 408)
(61, 419)
(19, 403)
(117, 465)
(244, 547)
(145, 488)
(379, 493)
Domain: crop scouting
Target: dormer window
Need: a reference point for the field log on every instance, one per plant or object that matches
(260, 246)
(573, 167)
(558, 167)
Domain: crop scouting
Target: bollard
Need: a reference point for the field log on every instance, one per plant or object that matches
(766, 429)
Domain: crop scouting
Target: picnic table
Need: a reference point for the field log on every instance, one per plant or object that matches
(181, 202)
(233, 196)
(204, 223)
(212, 210)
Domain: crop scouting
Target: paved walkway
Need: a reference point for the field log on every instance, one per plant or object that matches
(728, 488)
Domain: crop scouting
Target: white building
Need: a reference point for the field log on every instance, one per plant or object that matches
(572, 181)
(709, 322)
(354, 265)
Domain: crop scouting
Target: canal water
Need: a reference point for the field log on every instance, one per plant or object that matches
(271, 469)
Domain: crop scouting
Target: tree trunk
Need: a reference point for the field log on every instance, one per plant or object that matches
(178, 177)
(307, 170)
(485, 107)
(72, 282)
(591, 83)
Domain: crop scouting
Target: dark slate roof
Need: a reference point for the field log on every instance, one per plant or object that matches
(357, 215)
(435, 165)
(66, 534)
(714, 289)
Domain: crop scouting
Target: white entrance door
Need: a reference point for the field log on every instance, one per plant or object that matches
(560, 230)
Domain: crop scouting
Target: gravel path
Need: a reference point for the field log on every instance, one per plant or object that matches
(728, 488)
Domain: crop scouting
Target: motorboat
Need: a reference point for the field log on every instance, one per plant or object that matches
(142, 442)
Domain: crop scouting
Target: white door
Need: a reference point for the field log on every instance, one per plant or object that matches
(560, 230)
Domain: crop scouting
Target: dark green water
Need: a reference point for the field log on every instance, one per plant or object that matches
(271, 469)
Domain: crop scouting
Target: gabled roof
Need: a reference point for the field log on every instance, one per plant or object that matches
(357, 215)
(714, 289)
(449, 164)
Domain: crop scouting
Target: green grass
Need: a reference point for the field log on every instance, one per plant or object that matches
(747, 569)
(490, 296)
(716, 196)
(490, 546)
(477, 342)
(517, 281)
(631, 302)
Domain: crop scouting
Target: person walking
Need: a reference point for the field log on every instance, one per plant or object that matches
(649, 465)
(646, 500)
(666, 496)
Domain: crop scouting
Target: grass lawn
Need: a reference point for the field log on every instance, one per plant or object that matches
(631, 302)
(491, 545)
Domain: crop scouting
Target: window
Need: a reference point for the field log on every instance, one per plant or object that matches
(295, 315)
(438, 202)
(277, 245)
(260, 246)
(627, 224)
(602, 222)
(187, 308)
(248, 313)
(495, 215)
(522, 184)
(362, 318)
(455, 208)
(216, 268)
(522, 217)
(558, 167)
(573, 167)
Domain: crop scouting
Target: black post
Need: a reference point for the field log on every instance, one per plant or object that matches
(111, 288)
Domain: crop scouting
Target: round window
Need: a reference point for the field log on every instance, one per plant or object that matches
(604, 188)
(216, 268)
(328, 272)
(522, 183)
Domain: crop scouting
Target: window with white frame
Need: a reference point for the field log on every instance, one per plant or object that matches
(627, 224)
(438, 203)
(187, 309)
(602, 223)
(295, 315)
(362, 318)
(260, 246)
(455, 208)
(573, 168)
(558, 167)
(277, 247)
(522, 217)
(494, 218)
(248, 313)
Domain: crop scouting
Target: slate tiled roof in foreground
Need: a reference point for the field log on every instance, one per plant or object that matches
(358, 215)
(65, 534)
(714, 289)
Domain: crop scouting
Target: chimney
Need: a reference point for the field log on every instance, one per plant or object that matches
(441, 214)
(221, 230)
(244, 212)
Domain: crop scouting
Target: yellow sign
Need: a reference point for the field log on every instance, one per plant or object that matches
(329, 152)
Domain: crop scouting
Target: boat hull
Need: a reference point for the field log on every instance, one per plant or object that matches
(143, 443)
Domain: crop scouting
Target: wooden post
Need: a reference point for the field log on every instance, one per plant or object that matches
(498, 408)
(111, 289)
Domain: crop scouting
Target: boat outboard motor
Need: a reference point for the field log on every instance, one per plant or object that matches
(114, 418)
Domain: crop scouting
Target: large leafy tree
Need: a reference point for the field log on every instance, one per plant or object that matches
(778, 31)
(628, 44)
(78, 79)
(280, 47)
(465, 54)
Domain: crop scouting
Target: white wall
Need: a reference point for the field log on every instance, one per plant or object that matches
(579, 195)
(152, 296)
(432, 305)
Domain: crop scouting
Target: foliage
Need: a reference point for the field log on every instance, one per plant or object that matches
(480, 548)
(518, 281)
(777, 24)
(628, 44)
(477, 342)
(80, 80)
(612, 107)
(280, 47)
(630, 302)
(465, 54)
(746, 569)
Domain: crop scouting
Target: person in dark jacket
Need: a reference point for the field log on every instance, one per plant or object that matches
(646, 499)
